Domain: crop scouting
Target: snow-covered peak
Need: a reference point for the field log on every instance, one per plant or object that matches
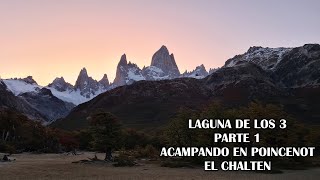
(86, 85)
(20, 86)
(163, 66)
(60, 84)
(73, 96)
(267, 58)
(127, 73)
(134, 74)
(28, 79)
(153, 73)
(199, 73)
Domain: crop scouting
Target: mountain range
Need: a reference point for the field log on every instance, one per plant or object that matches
(154, 93)
(289, 77)
(163, 66)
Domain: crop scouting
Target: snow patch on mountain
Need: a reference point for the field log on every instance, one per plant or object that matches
(199, 73)
(127, 73)
(72, 96)
(153, 73)
(267, 58)
(18, 86)
(134, 74)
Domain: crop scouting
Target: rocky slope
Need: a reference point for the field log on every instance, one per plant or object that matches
(300, 67)
(146, 103)
(47, 104)
(291, 67)
(60, 85)
(267, 58)
(37, 104)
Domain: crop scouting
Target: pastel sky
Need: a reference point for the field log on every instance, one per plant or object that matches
(53, 38)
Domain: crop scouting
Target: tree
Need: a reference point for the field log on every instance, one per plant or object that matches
(106, 131)
(177, 131)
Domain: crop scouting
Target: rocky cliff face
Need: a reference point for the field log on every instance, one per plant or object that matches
(300, 67)
(127, 73)
(104, 82)
(47, 104)
(163, 66)
(9, 100)
(165, 62)
(60, 85)
(29, 80)
(86, 85)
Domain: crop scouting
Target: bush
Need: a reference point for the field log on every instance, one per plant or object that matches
(147, 152)
(7, 148)
(124, 160)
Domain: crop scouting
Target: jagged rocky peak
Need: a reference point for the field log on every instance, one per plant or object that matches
(127, 73)
(121, 73)
(123, 60)
(83, 72)
(166, 62)
(104, 82)
(253, 48)
(82, 78)
(29, 80)
(86, 84)
(60, 84)
(201, 67)
(212, 70)
(198, 73)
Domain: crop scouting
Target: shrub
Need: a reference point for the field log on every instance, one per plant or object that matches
(124, 160)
